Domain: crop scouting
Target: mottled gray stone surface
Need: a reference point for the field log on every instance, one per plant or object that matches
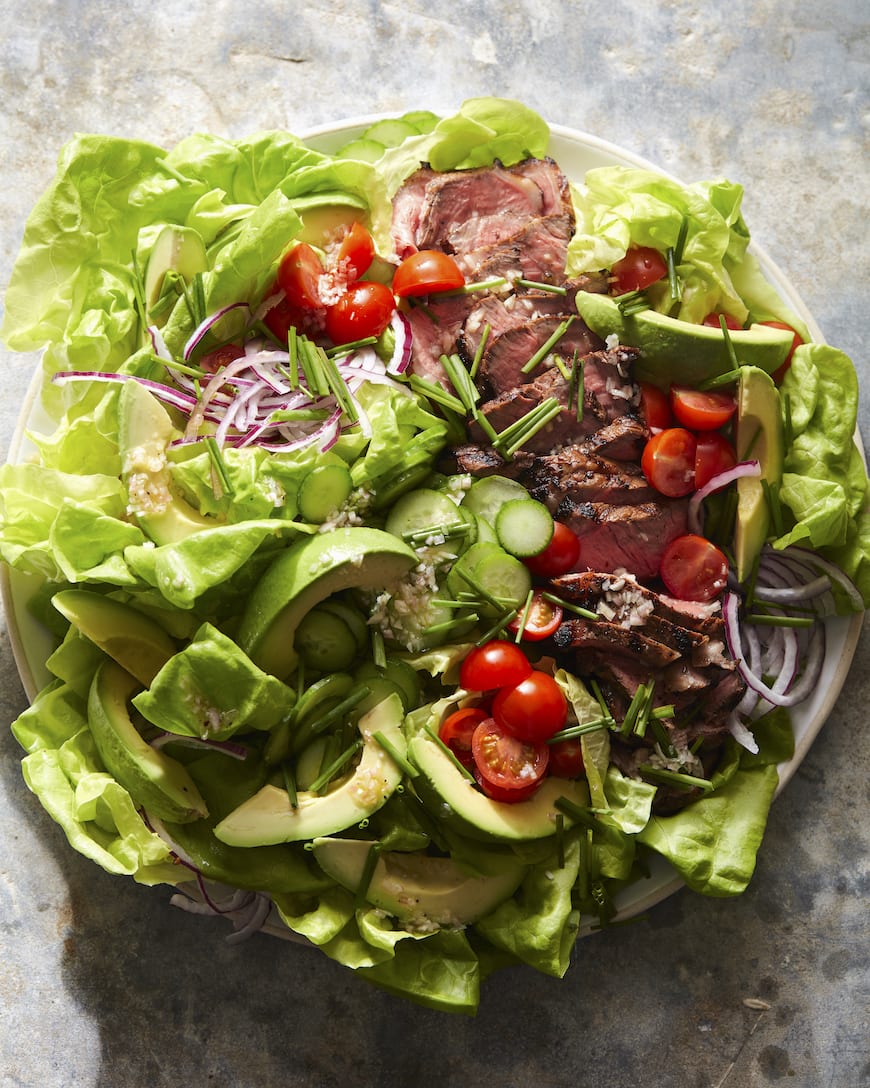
(102, 983)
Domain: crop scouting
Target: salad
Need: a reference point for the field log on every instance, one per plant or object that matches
(330, 651)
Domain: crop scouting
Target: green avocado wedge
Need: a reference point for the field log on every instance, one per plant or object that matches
(758, 436)
(308, 572)
(415, 888)
(446, 791)
(156, 782)
(269, 816)
(138, 643)
(678, 352)
(178, 250)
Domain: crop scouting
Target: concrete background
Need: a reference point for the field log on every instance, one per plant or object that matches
(103, 984)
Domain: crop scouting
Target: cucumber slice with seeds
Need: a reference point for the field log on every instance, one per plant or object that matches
(425, 514)
(488, 495)
(504, 578)
(524, 527)
(325, 642)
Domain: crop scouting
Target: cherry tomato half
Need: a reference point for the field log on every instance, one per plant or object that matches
(499, 793)
(655, 407)
(427, 272)
(356, 253)
(458, 728)
(495, 664)
(542, 621)
(702, 411)
(713, 454)
(559, 556)
(780, 371)
(285, 315)
(638, 269)
(566, 758)
(533, 710)
(216, 360)
(506, 763)
(299, 276)
(693, 569)
(730, 322)
(363, 310)
(668, 462)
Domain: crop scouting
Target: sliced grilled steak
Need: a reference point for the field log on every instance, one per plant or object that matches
(435, 330)
(407, 209)
(631, 538)
(570, 477)
(535, 249)
(583, 635)
(486, 461)
(505, 355)
(623, 439)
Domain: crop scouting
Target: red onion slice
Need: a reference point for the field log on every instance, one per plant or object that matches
(203, 327)
(717, 483)
(401, 356)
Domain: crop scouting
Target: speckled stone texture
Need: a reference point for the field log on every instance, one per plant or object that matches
(102, 983)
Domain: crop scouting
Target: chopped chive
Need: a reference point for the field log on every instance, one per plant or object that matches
(461, 381)
(696, 744)
(497, 628)
(771, 495)
(172, 172)
(663, 738)
(471, 288)
(478, 355)
(746, 455)
(644, 712)
(300, 415)
(729, 346)
(446, 602)
(290, 784)
(633, 710)
(548, 345)
(773, 620)
(560, 839)
(219, 465)
(524, 616)
(138, 291)
(417, 537)
(199, 294)
(448, 751)
(787, 425)
(572, 731)
(535, 285)
(632, 302)
(584, 846)
(675, 778)
(264, 330)
(395, 755)
(599, 695)
(728, 378)
(663, 711)
(182, 368)
(565, 372)
(341, 350)
(481, 420)
(316, 726)
(436, 394)
(449, 626)
(680, 245)
(569, 607)
(335, 766)
(293, 352)
(674, 283)
(480, 591)
(578, 390)
(367, 873)
(553, 408)
(379, 653)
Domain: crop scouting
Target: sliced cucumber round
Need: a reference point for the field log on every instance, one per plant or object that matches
(524, 527)
(323, 492)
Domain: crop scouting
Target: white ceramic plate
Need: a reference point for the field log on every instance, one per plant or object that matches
(576, 152)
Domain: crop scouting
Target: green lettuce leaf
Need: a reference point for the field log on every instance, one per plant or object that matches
(211, 690)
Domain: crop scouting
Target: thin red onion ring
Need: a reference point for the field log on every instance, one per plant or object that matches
(717, 483)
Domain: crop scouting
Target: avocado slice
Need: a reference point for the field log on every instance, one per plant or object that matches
(268, 817)
(309, 571)
(176, 249)
(447, 791)
(759, 437)
(138, 643)
(418, 889)
(674, 351)
(155, 781)
(144, 431)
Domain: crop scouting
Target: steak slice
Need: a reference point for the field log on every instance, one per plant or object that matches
(407, 208)
(623, 439)
(505, 355)
(535, 249)
(435, 330)
(570, 477)
(583, 635)
(502, 314)
(631, 538)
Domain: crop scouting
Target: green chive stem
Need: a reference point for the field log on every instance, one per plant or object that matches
(448, 751)
(395, 755)
(548, 345)
(675, 778)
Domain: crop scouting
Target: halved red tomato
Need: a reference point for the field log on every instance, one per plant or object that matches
(641, 267)
(533, 710)
(216, 360)
(693, 568)
(559, 556)
(668, 462)
(780, 371)
(713, 320)
(458, 728)
(356, 253)
(566, 758)
(506, 763)
(495, 664)
(702, 410)
(299, 276)
(542, 621)
(363, 310)
(499, 793)
(713, 454)
(655, 407)
(425, 273)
